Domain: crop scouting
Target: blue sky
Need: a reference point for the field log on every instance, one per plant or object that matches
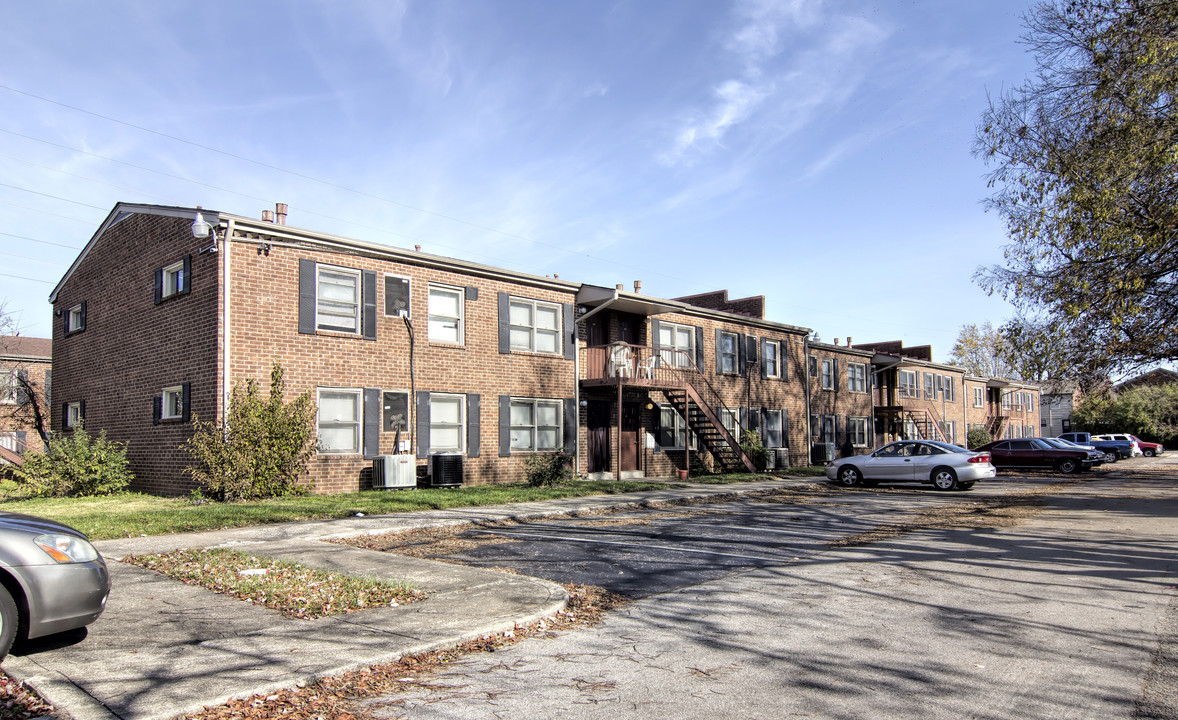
(817, 153)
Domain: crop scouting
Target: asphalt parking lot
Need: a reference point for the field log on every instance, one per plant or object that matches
(642, 553)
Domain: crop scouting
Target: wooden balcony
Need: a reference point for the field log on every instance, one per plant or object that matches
(635, 366)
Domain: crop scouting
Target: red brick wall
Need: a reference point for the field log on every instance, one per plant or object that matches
(19, 418)
(265, 331)
(840, 400)
(132, 348)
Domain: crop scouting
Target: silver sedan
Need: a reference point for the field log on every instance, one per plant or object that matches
(945, 466)
(51, 579)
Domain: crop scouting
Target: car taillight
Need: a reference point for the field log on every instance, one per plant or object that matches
(980, 458)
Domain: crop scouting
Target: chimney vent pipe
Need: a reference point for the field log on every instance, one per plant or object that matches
(267, 216)
(280, 213)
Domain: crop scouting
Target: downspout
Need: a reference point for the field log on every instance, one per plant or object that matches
(577, 374)
(806, 386)
(226, 283)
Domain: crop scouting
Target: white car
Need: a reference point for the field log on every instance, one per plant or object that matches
(1137, 452)
(945, 466)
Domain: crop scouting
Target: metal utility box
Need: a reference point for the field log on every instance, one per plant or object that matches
(822, 453)
(394, 471)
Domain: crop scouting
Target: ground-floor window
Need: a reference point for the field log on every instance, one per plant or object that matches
(447, 422)
(857, 431)
(339, 420)
(535, 424)
(673, 429)
(771, 429)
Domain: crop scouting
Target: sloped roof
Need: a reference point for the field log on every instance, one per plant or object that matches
(17, 346)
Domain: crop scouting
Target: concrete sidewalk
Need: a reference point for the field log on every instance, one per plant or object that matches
(163, 648)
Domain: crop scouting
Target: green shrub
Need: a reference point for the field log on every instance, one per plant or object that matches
(545, 469)
(977, 437)
(75, 464)
(750, 442)
(261, 449)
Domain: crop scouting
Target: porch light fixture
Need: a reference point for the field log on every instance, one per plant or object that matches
(202, 229)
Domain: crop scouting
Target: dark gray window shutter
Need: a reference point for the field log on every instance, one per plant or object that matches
(159, 285)
(571, 425)
(504, 426)
(186, 402)
(504, 323)
(754, 416)
(764, 424)
(784, 428)
(741, 366)
(472, 293)
(569, 314)
(186, 281)
(82, 410)
(83, 314)
(699, 349)
(834, 366)
(306, 296)
(422, 424)
(22, 395)
(65, 415)
(744, 421)
(765, 365)
(840, 430)
(654, 333)
(719, 351)
(157, 412)
(751, 345)
(372, 407)
(473, 428)
(368, 308)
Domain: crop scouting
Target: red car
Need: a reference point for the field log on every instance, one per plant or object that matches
(1149, 449)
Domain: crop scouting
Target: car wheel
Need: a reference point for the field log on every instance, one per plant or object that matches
(1111, 457)
(1148, 452)
(944, 479)
(1067, 465)
(850, 476)
(9, 620)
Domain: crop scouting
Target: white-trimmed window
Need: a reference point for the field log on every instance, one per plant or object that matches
(337, 304)
(339, 420)
(949, 429)
(729, 420)
(728, 353)
(908, 387)
(1006, 400)
(536, 425)
(535, 326)
(75, 318)
(929, 386)
(73, 415)
(857, 431)
(979, 396)
(9, 441)
(8, 387)
(772, 358)
(447, 422)
(828, 374)
(771, 429)
(950, 388)
(173, 279)
(857, 377)
(674, 337)
(673, 429)
(172, 403)
(446, 314)
(826, 432)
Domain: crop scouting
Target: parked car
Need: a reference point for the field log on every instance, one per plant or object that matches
(945, 466)
(1114, 449)
(1037, 454)
(1149, 449)
(1096, 457)
(51, 579)
(1122, 437)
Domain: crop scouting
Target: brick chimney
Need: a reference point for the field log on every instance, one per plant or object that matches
(637, 286)
(620, 286)
(267, 216)
(280, 213)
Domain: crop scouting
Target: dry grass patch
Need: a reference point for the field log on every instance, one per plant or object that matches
(290, 588)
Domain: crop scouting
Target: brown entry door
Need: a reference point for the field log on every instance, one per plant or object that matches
(630, 436)
(598, 425)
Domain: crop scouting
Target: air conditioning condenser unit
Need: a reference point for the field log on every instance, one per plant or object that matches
(394, 471)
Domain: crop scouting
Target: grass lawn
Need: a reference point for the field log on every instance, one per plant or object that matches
(134, 514)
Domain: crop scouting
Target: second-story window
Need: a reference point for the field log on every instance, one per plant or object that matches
(828, 374)
(979, 397)
(677, 344)
(728, 353)
(535, 326)
(75, 318)
(445, 314)
(173, 280)
(856, 377)
(908, 386)
(772, 358)
(337, 299)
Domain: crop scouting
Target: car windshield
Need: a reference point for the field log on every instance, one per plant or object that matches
(1061, 444)
(944, 447)
(1038, 444)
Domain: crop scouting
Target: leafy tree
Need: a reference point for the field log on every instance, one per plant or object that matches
(1085, 174)
(261, 449)
(1150, 412)
(981, 350)
(75, 464)
(977, 437)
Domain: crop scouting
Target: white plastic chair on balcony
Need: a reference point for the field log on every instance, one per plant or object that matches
(621, 360)
(646, 367)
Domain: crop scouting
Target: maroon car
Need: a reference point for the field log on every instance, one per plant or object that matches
(1035, 454)
(1149, 449)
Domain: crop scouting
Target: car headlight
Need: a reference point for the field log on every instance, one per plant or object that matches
(66, 548)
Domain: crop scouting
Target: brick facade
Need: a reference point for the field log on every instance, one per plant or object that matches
(841, 409)
(30, 359)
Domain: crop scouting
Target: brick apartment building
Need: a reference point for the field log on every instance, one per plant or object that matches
(409, 352)
(24, 365)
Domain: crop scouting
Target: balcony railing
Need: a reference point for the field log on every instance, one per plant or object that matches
(639, 365)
